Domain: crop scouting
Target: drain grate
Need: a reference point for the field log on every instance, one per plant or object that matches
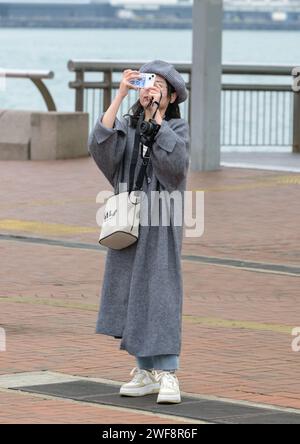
(213, 411)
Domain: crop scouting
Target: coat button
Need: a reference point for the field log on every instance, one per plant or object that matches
(149, 180)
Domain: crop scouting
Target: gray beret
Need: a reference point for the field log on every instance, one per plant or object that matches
(168, 71)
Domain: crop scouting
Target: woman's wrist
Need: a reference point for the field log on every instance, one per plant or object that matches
(121, 95)
(109, 116)
(158, 118)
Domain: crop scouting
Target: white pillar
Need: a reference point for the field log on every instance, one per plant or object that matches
(206, 85)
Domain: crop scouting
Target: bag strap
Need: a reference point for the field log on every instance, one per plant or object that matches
(133, 159)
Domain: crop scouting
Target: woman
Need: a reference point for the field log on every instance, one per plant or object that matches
(142, 292)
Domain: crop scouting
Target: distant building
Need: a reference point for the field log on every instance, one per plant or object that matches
(238, 14)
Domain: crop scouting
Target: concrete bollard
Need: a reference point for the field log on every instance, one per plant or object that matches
(34, 135)
(15, 129)
(57, 135)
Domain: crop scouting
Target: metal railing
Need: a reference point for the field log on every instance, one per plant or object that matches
(104, 88)
(252, 115)
(36, 77)
(260, 114)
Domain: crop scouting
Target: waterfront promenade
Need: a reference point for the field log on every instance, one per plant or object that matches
(241, 286)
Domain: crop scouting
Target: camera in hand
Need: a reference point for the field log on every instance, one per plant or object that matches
(148, 131)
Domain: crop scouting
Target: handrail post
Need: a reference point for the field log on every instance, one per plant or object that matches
(190, 99)
(79, 97)
(45, 94)
(36, 77)
(107, 94)
(296, 127)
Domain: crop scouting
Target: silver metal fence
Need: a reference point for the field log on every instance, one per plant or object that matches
(253, 114)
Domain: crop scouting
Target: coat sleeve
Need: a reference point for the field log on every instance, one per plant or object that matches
(107, 147)
(171, 153)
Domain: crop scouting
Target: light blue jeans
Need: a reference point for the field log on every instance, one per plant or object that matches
(158, 362)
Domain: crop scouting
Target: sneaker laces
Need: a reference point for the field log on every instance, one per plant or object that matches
(138, 373)
(168, 380)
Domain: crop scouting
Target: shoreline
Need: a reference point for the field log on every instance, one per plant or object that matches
(161, 25)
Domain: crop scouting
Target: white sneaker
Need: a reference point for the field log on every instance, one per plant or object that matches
(143, 383)
(169, 388)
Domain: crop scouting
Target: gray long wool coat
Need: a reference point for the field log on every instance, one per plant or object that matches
(142, 292)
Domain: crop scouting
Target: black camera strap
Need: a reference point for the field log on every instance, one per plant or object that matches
(158, 105)
(134, 160)
(142, 173)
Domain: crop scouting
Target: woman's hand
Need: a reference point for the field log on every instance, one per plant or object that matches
(125, 84)
(155, 94)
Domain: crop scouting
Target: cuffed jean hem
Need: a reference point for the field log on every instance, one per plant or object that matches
(158, 362)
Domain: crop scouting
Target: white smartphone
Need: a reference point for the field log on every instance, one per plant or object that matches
(147, 80)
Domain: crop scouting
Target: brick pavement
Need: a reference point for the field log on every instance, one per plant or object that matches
(237, 323)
